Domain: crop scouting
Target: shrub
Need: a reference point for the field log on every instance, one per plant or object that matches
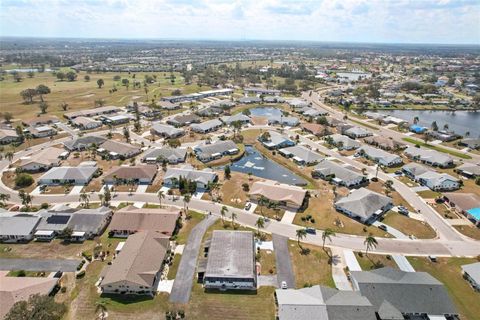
(44, 205)
(21, 273)
(23, 180)
(80, 275)
(87, 255)
(245, 187)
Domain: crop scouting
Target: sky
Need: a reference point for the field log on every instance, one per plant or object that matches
(380, 21)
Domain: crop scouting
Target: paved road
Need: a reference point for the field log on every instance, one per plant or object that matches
(182, 286)
(52, 265)
(283, 261)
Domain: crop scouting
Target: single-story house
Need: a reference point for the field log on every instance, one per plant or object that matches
(116, 119)
(443, 135)
(41, 121)
(364, 205)
(262, 91)
(273, 99)
(286, 196)
(301, 155)
(146, 111)
(171, 155)
(469, 170)
(338, 174)
(42, 131)
(17, 227)
(216, 150)
(224, 104)
(138, 266)
(297, 103)
(430, 157)
(140, 174)
(116, 149)
(275, 140)
(201, 177)
(380, 156)
(322, 303)
(92, 112)
(244, 119)
(16, 289)
(413, 169)
(344, 143)
(207, 126)
(315, 129)
(68, 175)
(129, 220)
(472, 143)
(8, 135)
(184, 120)
(84, 123)
(357, 132)
(210, 112)
(166, 131)
(249, 100)
(41, 161)
(83, 143)
(284, 121)
(467, 204)
(231, 261)
(471, 273)
(397, 294)
(384, 143)
(167, 105)
(438, 181)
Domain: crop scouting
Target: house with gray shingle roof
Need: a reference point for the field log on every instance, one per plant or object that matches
(301, 155)
(216, 150)
(471, 273)
(364, 205)
(430, 157)
(68, 175)
(166, 131)
(184, 120)
(207, 126)
(201, 177)
(171, 155)
(283, 120)
(17, 227)
(380, 156)
(469, 170)
(397, 294)
(83, 143)
(322, 303)
(338, 174)
(244, 119)
(343, 142)
(116, 149)
(275, 140)
(357, 132)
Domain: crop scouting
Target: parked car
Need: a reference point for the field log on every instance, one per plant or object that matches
(284, 285)
(383, 227)
(403, 210)
(311, 230)
(248, 205)
(398, 172)
(433, 258)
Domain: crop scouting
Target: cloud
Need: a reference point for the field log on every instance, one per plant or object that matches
(443, 21)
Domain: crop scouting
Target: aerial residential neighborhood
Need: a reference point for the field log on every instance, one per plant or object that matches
(181, 160)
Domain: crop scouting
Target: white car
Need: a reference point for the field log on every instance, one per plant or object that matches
(284, 285)
(248, 205)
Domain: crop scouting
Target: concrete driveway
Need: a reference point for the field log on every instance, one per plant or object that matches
(182, 286)
(283, 261)
(53, 265)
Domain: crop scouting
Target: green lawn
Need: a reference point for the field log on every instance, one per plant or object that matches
(409, 226)
(448, 271)
(195, 218)
(374, 261)
(172, 270)
(437, 148)
(364, 124)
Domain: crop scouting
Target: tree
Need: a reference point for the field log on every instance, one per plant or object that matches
(233, 216)
(4, 197)
(37, 307)
(66, 233)
(7, 116)
(71, 75)
(223, 213)
(99, 103)
(262, 201)
(388, 185)
(23, 180)
(327, 234)
(126, 134)
(434, 126)
(100, 83)
(107, 196)
(25, 197)
(61, 76)
(300, 234)
(160, 195)
(64, 106)
(87, 78)
(85, 198)
(186, 200)
(260, 224)
(28, 95)
(174, 143)
(370, 243)
(41, 90)
(43, 107)
(9, 155)
(415, 120)
(227, 172)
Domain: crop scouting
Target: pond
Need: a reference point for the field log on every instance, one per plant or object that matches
(265, 112)
(254, 162)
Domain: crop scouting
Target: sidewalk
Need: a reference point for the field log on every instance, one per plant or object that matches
(338, 270)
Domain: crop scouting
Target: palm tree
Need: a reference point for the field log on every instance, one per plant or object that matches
(160, 195)
(262, 201)
(102, 309)
(370, 243)
(327, 234)
(233, 216)
(415, 120)
(301, 234)
(9, 156)
(223, 213)
(85, 198)
(4, 198)
(260, 224)
(186, 200)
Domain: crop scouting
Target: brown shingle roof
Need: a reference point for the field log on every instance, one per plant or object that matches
(314, 128)
(278, 192)
(140, 259)
(143, 219)
(135, 172)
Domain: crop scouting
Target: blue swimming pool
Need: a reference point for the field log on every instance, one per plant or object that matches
(265, 112)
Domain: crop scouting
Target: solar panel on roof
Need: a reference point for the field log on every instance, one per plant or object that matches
(57, 219)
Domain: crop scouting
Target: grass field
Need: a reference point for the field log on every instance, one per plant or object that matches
(409, 226)
(437, 148)
(448, 271)
(374, 261)
(470, 231)
(364, 124)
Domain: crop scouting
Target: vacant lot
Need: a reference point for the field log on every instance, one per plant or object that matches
(409, 226)
(374, 261)
(448, 271)
(56, 249)
(470, 231)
